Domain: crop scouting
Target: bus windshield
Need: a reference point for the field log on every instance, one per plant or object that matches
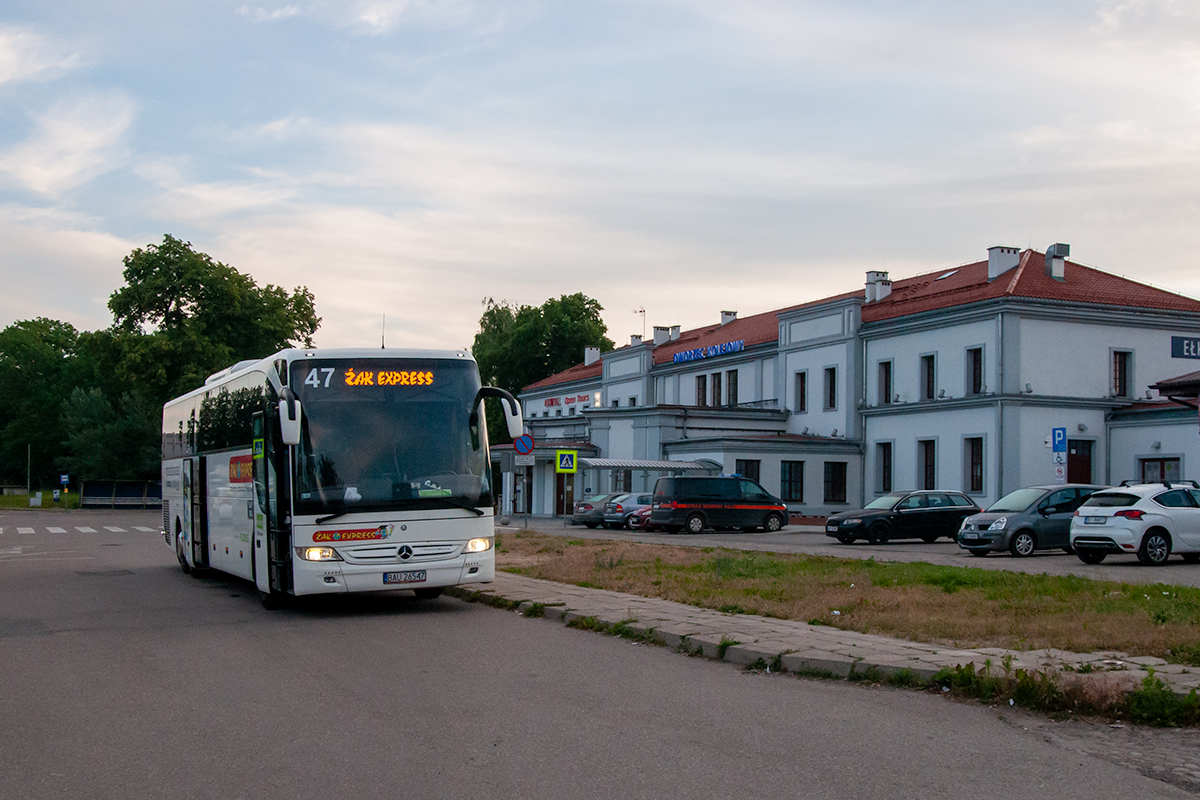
(381, 434)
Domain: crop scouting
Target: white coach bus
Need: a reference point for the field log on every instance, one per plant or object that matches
(332, 471)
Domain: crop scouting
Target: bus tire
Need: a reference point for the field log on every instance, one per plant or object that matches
(428, 593)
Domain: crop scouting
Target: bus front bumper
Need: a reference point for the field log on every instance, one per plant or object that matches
(333, 577)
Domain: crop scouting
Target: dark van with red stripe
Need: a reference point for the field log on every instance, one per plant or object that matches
(693, 504)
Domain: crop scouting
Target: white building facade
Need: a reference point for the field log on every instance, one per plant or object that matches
(952, 380)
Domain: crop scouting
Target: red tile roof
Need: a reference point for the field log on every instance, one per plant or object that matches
(930, 292)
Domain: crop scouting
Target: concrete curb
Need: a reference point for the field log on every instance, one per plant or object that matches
(797, 647)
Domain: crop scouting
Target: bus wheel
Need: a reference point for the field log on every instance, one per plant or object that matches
(431, 593)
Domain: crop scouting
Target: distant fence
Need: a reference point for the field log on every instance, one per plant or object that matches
(120, 494)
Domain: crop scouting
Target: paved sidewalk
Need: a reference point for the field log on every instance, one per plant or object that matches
(799, 646)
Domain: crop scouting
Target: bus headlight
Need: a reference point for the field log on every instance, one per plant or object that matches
(318, 554)
(478, 545)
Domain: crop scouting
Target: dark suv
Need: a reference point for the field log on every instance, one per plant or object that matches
(693, 504)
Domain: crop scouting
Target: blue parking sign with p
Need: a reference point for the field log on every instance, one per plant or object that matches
(1058, 440)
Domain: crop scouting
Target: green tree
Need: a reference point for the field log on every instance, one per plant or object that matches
(518, 345)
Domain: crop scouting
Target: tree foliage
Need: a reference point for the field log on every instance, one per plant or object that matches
(518, 345)
(90, 403)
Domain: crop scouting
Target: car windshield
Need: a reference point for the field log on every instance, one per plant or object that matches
(1017, 500)
(389, 434)
(887, 501)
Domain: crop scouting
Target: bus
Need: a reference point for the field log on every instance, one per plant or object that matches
(335, 471)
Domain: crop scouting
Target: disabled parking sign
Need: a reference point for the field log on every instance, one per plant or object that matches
(565, 461)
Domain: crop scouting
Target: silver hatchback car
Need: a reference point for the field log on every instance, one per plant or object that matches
(1034, 518)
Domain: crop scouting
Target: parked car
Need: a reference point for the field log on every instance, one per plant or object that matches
(921, 514)
(1024, 520)
(618, 509)
(721, 501)
(1152, 520)
(640, 519)
(590, 512)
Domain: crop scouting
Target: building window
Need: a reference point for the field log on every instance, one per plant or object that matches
(975, 370)
(731, 387)
(701, 390)
(885, 383)
(928, 378)
(801, 392)
(1120, 373)
(830, 388)
(927, 466)
(558, 412)
(616, 403)
(716, 388)
(748, 468)
(973, 457)
(571, 411)
(1155, 470)
(791, 481)
(835, 481)
(883, 466)
(633, 401)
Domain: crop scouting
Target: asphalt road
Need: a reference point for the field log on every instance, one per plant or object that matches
(796, 539)
(122, 677)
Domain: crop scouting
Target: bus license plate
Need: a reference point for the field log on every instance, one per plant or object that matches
(416, 576)
(1094, 520)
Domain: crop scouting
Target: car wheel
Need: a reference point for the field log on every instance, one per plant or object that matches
(694, 523)
(428, 593)
(1091, 556)
(878, 533)
(1191, 558)
(772, 523)
(1156, 548)
(978, 553)
(929, 538)
(1023, 544)
(591, 525)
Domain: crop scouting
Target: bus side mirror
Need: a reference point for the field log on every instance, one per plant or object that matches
(289, 417)
(512, 409)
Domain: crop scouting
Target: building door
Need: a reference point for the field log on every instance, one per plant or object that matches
(564, 493)
(1079, 461)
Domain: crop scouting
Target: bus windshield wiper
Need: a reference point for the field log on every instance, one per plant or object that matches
(455, 503)
(323, 520)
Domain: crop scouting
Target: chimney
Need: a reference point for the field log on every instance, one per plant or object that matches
(590, 355)
(635, 340)
(674, 332)
(878, 285)
(662, 335)
(728, 316)
(1056, 259)
(1002, 259)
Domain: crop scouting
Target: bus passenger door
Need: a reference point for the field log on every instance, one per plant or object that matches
(196, 479)
(272, 523)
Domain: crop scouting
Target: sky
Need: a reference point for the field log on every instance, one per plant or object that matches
(407, 159)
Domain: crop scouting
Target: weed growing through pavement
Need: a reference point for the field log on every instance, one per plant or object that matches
(724, 645)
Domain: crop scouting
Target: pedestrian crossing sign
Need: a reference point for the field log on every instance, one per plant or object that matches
(565, 461)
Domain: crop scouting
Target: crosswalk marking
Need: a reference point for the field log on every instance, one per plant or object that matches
(114, 529)
(24, 530)
(57, 530)
(144, 529)
(85, 529)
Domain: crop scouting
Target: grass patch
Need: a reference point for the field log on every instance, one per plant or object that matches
(65, 501)
(960, 606)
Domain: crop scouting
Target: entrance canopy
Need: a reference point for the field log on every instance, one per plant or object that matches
(620, 463)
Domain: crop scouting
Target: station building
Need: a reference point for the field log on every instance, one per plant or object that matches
(954, 380)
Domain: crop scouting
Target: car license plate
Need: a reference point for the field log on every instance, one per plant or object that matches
(415, 576)
(1094, 520)
(831, 526)
(970, 536)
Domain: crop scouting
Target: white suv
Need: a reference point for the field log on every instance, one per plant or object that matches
(1150, 519)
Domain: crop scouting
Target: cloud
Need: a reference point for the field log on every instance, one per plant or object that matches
(74, 141)
(259, 14)
(25, 55)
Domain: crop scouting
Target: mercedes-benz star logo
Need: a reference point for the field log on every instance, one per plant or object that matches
(405, 552)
